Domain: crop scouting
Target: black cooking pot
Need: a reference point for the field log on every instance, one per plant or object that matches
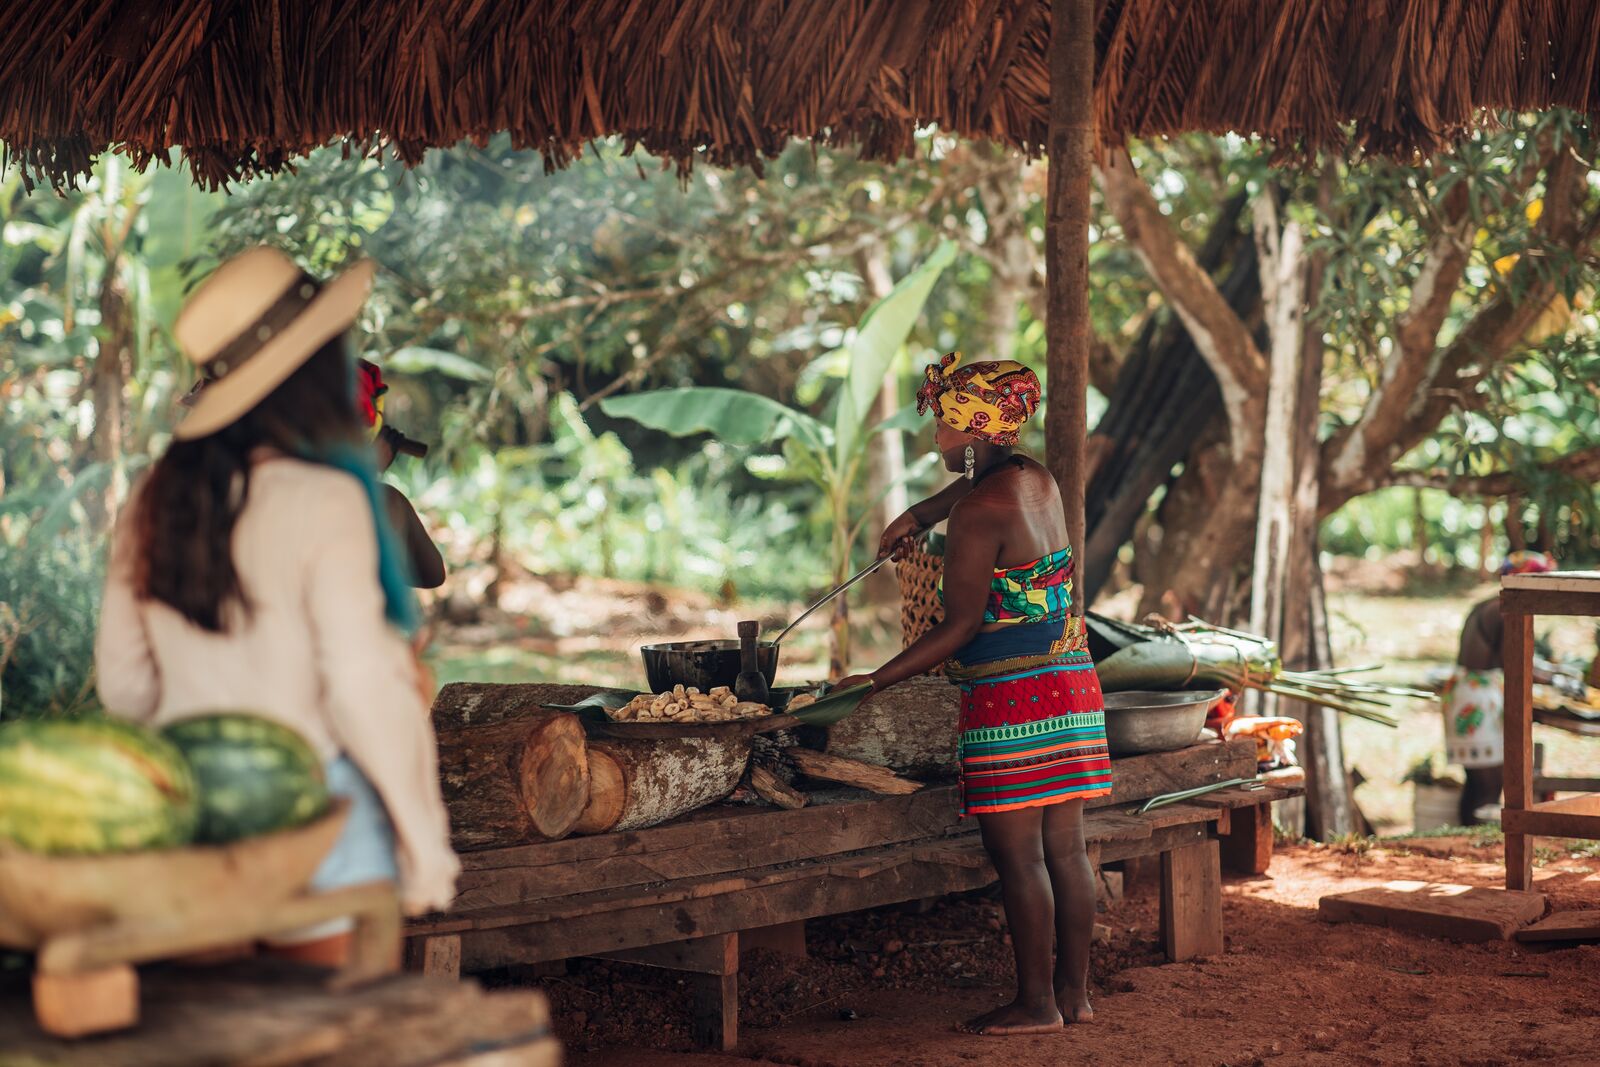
(702, 664)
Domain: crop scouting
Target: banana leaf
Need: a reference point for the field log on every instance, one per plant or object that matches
(1197, 653)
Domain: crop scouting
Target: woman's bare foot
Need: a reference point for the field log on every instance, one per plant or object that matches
(1015, 1018)
(1075, 1006)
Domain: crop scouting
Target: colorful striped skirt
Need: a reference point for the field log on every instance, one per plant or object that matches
(1033, 723)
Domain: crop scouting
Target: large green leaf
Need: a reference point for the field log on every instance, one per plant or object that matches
(416, 359)
(730, 415)
(878, 340)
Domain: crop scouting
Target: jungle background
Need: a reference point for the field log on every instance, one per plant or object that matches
(661, 404)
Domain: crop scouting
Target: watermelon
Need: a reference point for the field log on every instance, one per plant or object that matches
(256, 775)
(93, 785)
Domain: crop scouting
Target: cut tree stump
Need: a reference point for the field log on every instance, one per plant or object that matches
(1463, 913)
(854, 772)
(510, 782)
(910, 728)
(639, 783)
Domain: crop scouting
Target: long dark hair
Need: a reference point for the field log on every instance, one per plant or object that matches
(185, 514)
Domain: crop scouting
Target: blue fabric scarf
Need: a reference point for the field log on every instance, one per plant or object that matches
(400, 603)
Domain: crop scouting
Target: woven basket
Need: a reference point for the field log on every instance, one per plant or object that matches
(920, 609)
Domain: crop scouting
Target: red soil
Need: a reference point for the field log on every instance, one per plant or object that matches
(883, 988)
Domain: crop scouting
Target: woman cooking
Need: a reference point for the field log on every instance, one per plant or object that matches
(254, 570)
(1032, 743)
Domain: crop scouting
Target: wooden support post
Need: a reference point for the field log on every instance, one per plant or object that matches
(89, 1002)
(1070, 146)
(437, 956)
(1247, 844)
(716, 1011)
(1191, 901)
(1517, 654)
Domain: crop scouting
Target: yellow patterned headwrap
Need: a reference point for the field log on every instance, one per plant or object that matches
(990, 400)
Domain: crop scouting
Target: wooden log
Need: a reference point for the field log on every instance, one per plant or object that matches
(775, 790)
(910, 728)
(482, 703)
(639, 783)
(852, 772)
(514, 781)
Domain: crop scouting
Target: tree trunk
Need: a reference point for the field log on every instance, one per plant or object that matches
(911, 728)
(1283, 269)
(886, 455)
(1164, 400)
(1070, 140)
(112, 366)
(639, 783)
(514, 781)
(480, 703)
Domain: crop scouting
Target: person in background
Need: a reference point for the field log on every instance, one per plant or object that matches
(426, 564)
(254, 570)
(1474, 698)
(1033, 740)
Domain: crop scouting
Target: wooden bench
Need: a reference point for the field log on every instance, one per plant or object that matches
(681, 895)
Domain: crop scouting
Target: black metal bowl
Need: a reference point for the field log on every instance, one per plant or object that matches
(702, 664)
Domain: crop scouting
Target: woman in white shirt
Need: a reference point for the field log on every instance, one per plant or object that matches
(253, 571)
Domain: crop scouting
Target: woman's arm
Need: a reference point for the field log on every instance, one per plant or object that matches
(377, 713)
(923, 515)
(970, 555)
(126, 676)
(427, 565)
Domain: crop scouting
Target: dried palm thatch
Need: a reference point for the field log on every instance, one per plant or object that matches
(246, 85)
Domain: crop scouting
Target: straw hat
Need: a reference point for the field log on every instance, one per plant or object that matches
(250, 324)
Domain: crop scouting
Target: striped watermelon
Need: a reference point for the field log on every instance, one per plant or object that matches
(93, 785)
(256, 775)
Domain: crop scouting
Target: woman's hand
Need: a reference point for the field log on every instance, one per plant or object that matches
(900, 535)
(854, 680)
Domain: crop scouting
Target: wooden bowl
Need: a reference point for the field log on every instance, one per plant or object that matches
(41, 896)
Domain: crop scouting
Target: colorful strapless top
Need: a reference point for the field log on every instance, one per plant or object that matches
(1040, 591)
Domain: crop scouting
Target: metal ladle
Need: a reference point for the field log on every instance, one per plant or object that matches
(835, 591)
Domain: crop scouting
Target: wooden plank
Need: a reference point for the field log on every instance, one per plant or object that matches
(1163, 840)
(137, 942)
(1191, 902)
(717, 954)
(811, 895)
(264, 1011)
(90, 1002)
(1554, 581)
(1564, 926)
(1247, 844)
(1517, 656)
(1462, 913)
(1543, 786)
(1560, 602)
(1535, 822)
(438, 957)
(715, 1023)
(748, 837)
(1135, 778)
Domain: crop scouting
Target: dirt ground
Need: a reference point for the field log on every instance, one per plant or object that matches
(884, 987)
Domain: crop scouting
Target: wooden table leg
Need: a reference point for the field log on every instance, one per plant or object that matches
(1517, 654)
(1247, 846)
(1191, 901)
(89, 1002)
(438, 956)
(716, 1010)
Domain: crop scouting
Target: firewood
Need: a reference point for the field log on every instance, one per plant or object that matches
(639, 783)
(775, 790)
(847, 771)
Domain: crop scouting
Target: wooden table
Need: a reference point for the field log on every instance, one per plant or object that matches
(271, 1012)
(681, 895)
(1521, 598)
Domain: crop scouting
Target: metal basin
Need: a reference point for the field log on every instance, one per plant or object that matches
(1138, 721)
(702, 664)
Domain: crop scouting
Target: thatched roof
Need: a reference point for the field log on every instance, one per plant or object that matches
(246, 85)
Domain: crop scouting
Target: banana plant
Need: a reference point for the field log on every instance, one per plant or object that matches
(832, 455)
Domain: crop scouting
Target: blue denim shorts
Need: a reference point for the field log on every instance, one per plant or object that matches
(363, 853)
